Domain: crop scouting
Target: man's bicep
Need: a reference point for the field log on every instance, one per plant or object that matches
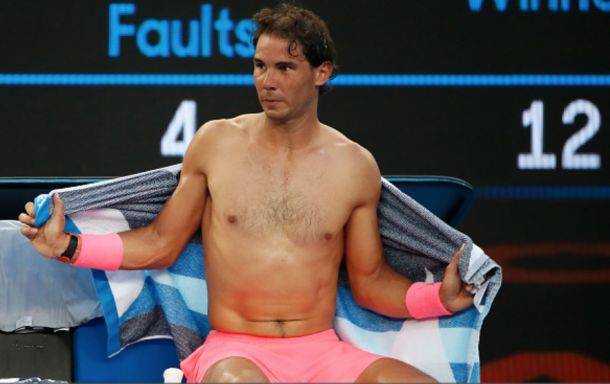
(183, 211)
(181, 215)
(363, 248)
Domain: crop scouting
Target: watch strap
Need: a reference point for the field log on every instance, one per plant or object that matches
(69, 253)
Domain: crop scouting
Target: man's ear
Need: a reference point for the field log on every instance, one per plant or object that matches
(324, 71)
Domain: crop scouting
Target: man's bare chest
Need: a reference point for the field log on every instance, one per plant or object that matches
(303, 203)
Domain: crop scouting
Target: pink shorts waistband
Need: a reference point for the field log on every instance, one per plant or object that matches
(327, 335)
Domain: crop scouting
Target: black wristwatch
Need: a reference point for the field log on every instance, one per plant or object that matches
(69, 253)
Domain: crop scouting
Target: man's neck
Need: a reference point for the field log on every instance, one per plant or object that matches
(292, 135)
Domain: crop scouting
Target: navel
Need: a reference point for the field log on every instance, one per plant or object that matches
(232, 219)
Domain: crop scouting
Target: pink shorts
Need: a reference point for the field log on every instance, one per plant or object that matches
(320, 357)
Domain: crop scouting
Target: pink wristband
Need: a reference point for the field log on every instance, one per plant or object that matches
(103, 252)
(423, 301)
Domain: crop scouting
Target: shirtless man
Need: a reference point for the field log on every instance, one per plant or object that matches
(281, 199)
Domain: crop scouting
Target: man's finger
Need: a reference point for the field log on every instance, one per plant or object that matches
(29, 232)
(59, 205)
(453, 265)
(29, 208)
(26, 219)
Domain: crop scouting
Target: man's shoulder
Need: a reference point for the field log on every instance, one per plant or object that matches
(217, 131)
(232, 126)
(357, 167)
(218, 136)
(352, 154)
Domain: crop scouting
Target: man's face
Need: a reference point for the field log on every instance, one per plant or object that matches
(286, 85)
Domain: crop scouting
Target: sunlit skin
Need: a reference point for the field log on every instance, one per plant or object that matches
(281, 200)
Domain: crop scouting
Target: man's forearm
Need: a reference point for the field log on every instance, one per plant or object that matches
(383, 292)
(144, 248)
(131, 250)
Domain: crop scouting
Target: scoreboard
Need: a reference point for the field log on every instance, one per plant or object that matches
(497, 92)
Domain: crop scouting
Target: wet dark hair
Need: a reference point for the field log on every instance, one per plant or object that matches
(298, 26)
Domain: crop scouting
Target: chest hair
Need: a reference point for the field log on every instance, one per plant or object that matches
(281, 202)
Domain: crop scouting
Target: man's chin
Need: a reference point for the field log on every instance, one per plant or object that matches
(275, 115)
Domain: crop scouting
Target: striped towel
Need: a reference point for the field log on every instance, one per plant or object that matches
(172, 302)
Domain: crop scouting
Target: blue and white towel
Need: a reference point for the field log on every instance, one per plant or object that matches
(173, 302)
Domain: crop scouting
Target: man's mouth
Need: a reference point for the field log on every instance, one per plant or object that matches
(271, 102)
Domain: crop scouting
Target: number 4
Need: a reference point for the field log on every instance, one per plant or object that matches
(185, 121)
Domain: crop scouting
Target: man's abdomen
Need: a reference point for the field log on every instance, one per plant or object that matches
(270, 287)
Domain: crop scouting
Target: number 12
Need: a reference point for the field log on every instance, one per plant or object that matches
(537, 159)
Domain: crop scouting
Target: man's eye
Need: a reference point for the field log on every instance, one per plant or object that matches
(287, 68)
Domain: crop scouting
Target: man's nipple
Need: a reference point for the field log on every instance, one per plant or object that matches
(232, 219)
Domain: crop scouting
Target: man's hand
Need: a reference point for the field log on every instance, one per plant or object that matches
(49, 240)
(455, 294)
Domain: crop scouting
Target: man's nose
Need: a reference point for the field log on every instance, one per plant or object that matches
(269, 82)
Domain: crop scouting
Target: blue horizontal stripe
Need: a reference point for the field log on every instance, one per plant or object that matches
(343, 80)
(126, 79)
(507, 80)
(544, 193)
